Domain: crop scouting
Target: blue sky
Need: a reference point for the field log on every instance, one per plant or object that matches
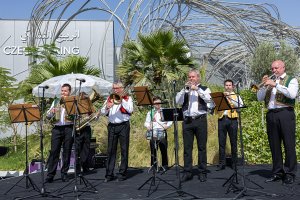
(21, 9)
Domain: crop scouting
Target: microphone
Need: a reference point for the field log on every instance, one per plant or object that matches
(80, 79)
(45, 86)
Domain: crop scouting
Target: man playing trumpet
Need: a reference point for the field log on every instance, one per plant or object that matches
(279, 97)
(194, 99)
(118, 112)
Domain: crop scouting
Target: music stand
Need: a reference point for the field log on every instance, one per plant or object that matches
(144, 98)
(222, 103)
(168, 115)
(19, 113)
(175, 119)
(76, 106)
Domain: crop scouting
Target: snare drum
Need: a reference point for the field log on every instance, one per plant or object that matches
(157, 134)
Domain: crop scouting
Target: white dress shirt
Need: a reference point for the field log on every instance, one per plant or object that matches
(290, 92)
(156, 122)
(193, 100)
(115, 116)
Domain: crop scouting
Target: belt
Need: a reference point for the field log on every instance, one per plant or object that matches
(60, 127)
(195, 117)
(226, 117)
(118, 124)
(275, 110)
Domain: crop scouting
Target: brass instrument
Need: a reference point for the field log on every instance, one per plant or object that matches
(94, 96)
(255, 88)
(88, 118)
(187, 86)
(85, 121)
(115, 98)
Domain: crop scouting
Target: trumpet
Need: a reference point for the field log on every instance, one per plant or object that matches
(255, 88)
(188, 85)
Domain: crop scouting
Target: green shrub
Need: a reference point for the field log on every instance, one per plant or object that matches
(253, 130)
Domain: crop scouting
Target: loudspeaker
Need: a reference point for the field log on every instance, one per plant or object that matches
(229, 161)
(100, 160)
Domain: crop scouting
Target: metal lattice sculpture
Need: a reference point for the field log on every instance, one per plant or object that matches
(223, 33)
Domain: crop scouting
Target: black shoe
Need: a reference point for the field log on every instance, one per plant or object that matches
(220, 167)
(274, 178)
(64, 177)
(121, 177)
(186, 177)
(288, 179)
(49, 180)
(108, 179)
(88, 171)
(202, 177)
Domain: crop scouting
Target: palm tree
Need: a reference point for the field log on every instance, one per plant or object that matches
(154, 60)
(52, 67)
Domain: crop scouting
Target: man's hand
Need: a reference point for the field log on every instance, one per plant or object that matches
(109, 104)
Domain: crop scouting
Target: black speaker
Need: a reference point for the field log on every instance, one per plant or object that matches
(229, 161)
(100, 160)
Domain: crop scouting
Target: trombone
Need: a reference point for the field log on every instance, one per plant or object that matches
(255, 88)
(117, 98)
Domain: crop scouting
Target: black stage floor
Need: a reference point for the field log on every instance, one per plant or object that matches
(166, 186)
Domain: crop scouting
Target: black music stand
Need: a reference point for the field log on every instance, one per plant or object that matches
(144, 98)
(177, 113)
(43, 192)
(222, 103)
(76, 106)
(19, 113)
(168, 115)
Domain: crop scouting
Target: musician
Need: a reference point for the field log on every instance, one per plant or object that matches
(194, 99)
(158, 128)
(83, 142)
(279, 96)
(228, 123)
(61, 136)
(118, 112)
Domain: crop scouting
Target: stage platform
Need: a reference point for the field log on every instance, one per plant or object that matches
(166, 186)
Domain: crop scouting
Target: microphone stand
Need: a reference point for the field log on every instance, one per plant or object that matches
(42, 191)
(244, 188)
(86, 182)
(155, 165)
(179, 190)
